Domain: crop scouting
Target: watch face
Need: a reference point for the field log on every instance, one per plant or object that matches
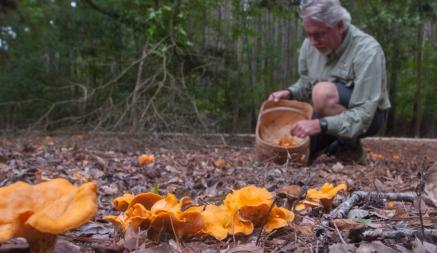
(323, 125)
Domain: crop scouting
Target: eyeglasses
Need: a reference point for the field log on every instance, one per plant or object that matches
(316, 35)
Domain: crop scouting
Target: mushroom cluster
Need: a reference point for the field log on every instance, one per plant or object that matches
(42, 211)
(240, 212)
(152, 211)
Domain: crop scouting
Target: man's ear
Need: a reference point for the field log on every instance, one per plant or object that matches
(340, 26)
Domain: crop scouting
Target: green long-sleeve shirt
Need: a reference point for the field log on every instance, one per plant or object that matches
(359, 61)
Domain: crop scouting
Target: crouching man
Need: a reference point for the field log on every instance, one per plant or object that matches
(343, 75)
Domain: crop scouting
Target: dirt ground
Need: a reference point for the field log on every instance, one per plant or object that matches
(184, 166)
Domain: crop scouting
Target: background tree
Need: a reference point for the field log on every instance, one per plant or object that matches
(189, 65)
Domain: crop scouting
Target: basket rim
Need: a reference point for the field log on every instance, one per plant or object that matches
(274, 109)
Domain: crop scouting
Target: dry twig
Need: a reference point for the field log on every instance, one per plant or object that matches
(342, 210)
(266, 216)
(370, 235)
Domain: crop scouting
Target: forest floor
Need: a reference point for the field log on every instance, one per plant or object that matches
(186, 168)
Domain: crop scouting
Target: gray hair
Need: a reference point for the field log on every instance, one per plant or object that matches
(326, 11)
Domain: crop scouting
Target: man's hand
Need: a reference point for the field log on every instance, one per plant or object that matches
(304, 128)
(280, 94)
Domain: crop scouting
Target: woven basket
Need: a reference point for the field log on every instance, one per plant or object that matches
(274, 122)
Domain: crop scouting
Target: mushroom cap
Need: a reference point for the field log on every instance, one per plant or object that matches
(326, 194)
(248, 196)
(147, 199)
(278, 217)
(53, 207)
(216, 220)
(121, 203)
(294, 192)
(328, 191)
(145, 159)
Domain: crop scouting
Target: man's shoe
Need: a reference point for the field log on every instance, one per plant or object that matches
(350, 152)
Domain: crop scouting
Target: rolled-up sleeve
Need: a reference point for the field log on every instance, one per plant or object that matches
(369, 69)
(301, 90)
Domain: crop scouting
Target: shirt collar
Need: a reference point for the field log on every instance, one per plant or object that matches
(339, 51)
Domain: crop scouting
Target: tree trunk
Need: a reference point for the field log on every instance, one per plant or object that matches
(395, 66)
(249, 62)
(417, 117)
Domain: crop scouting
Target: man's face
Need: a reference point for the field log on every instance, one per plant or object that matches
(326, 39)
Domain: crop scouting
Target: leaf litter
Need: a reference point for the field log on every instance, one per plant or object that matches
(206, 173)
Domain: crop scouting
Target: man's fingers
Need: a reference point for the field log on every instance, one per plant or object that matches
(272, 97)
(294, 130)
(298, 131)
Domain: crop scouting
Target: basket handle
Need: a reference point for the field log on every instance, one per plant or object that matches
(284, 108)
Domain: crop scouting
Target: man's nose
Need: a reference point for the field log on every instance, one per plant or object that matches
(313, 41)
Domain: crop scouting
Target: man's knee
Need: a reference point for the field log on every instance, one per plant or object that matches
(324, 97)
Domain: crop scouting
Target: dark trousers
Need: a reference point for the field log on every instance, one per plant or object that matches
(320, 142)
(324, 142)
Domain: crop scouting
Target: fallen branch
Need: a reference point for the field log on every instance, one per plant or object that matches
(342, 210)
(370, 235)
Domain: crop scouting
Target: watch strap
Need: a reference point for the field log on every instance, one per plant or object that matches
(323, 125)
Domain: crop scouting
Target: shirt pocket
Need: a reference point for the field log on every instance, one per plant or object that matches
(343, 76)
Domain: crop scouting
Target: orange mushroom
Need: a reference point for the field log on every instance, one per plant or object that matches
(278, 217)
(149, 210)
(249, 206)
(40, 212)
(181, 223)
(286, 142)
(216, 220)
(326, 194)
(375, 156)
(121, 203)
(242, 210)
(146, 159)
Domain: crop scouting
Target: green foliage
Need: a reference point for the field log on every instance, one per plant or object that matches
(207, 65)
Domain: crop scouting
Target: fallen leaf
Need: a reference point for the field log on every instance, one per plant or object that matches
(376, 246)
(109, 189)
(338, 167)
(358, 213)
(423, 247)
(348, 224)
(4, 168)
(304, 229)
(342, 248)
(244, 248)
(132, 238)
(380, 186)
(361, 220)
(63, 246)
(219, 163)
(161, 248)
(431, 183)
(383, 213)
(401, 249)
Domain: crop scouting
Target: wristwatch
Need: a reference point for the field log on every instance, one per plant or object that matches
(290, 94)
(323, 125)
